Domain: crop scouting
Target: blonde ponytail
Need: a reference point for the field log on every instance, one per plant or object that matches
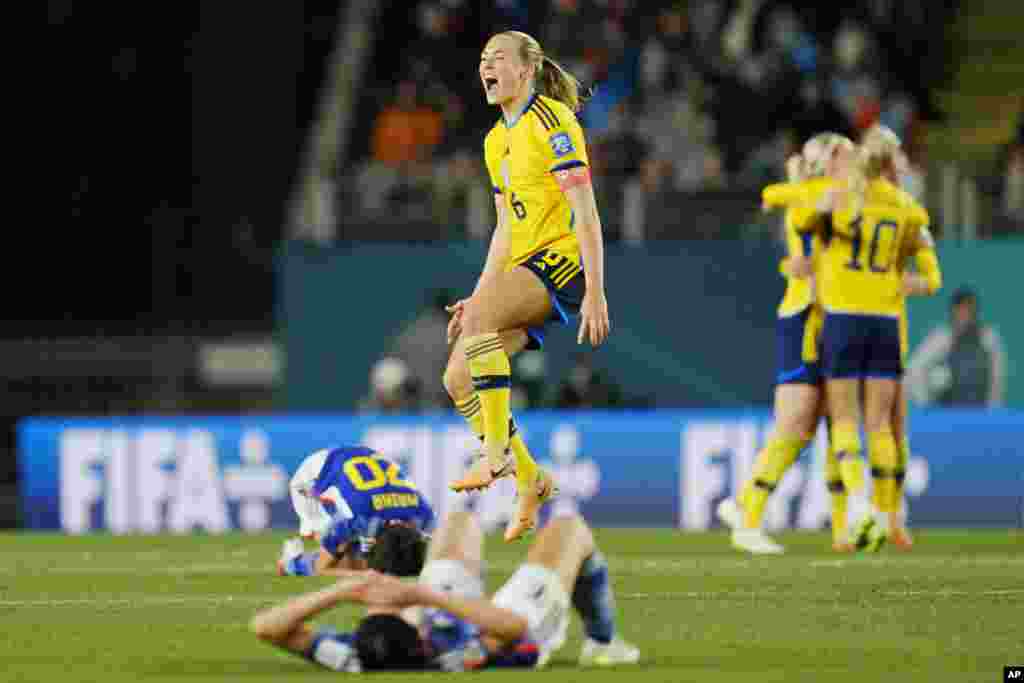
(550, 79)
(555, 82)
(877, 153)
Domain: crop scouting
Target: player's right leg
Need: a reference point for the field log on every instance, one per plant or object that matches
(898, 532)
(797, 407)
(845, 355)
(454, 562)
(458, 382)
(535, 486)
(564, 561)
(509, 300)
(882, 374)
(879, 395)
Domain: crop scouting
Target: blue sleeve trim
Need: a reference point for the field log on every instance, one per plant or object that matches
(575, 163)
(497, 190)
(808, 240)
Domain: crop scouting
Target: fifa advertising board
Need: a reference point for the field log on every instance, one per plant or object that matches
(626, 469)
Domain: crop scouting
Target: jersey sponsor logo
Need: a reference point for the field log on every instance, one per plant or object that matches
(561, 144)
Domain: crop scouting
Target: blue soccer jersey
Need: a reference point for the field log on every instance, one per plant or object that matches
(365, 491)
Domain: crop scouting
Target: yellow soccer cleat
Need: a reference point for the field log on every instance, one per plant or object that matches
(869, 536)
(901, 538)
(480, 475)
(531, 498)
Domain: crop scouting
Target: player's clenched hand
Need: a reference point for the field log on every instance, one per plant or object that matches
(455, 323)
(594, 322)
(914, 284)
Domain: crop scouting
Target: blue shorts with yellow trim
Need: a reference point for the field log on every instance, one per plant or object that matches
(565, 283)
(792, 366)
(861, 347)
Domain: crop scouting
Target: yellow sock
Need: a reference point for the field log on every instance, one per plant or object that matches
(470, 410)
(846, 438)
(778, 454)
(902, 457)
(884, 459)
(837, 494)
(526, 466)
(492, 381)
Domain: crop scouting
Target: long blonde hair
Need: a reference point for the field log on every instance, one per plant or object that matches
(877, 154)
(550, 79)
(819, 149)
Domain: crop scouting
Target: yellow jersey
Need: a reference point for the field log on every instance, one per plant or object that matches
(927, 262)
(798, 222)
(860, 268)
(522, 157)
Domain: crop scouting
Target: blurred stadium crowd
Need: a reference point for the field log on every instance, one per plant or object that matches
(696, 104)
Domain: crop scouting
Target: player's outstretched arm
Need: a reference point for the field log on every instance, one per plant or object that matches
(579, 192)
(285, 625)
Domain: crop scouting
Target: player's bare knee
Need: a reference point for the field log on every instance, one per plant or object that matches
(569, 531)
(457, 381)
(261, 628)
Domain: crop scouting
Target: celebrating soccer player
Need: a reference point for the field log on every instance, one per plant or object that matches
(798, 403)
(545, 262)
(870, 225)
(925, 282)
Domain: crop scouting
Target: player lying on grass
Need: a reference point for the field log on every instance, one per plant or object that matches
(445, 622)
(360, 506)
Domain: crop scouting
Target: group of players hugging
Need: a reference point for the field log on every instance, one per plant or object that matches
(851, 233)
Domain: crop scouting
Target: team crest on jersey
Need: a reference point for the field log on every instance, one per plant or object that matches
(561, 143)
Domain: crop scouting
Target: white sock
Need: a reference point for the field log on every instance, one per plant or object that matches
(882, 520)
(858, 506)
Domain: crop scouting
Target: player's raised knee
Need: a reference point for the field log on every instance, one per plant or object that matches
(456, 379)
(262, 628)
(565, 527)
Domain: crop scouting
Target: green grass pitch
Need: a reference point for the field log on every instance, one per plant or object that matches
(114, 609)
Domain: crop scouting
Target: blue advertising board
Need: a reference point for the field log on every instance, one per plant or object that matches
(632, 469)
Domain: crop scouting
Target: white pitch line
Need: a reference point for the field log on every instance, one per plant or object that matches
(144, 601)
(950, 592)
(212, 600)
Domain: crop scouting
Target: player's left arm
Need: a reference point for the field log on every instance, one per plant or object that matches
(286, 626)
(569, 164)
(928, 278)
(336, 549)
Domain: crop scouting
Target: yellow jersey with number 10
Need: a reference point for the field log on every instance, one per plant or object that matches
(861, 270)
(523, 155)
